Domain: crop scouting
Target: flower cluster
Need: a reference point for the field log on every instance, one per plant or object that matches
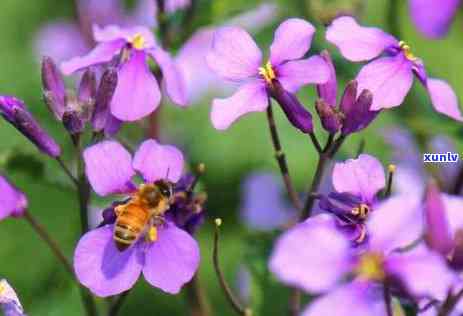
(363, 240)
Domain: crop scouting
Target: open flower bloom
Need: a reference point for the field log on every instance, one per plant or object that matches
(12, 201)
(167, 256)
(137, 92)
(316, 257)
(389, 78)
(235, 57)
(356, 183)
(9, 301)
(191, 57)
(433, 17)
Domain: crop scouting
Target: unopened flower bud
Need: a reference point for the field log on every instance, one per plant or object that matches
(54, 90)
(328, 90)
(14, 111)
(357, 113)
(104, 95)
(86, 92)
(296, 113)
(437, 234)
(73, 123)
(331, 120)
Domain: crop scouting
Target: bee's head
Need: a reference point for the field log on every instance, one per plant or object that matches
(165, 188)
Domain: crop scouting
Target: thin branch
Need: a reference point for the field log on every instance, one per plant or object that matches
(52, 244)
(83, 190)
(199, 304)
(117, 303)
(281, 159)
(315, 142)
(67, 171)
(388, 301)
(87, 299)
(232, 299)
(361, 147)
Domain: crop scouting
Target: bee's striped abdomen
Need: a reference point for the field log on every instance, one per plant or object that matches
(129, 224)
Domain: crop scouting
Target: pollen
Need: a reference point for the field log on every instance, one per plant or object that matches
(152, 234)
(2, 288)
(138, 41)
(407, 51)
(267, 72)
(371, 267)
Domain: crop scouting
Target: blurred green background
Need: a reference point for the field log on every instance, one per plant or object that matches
(27, 263)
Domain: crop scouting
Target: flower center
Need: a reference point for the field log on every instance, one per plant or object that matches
(361, 211)
(2, 288)
(267, 72)
(371, 267)
(407, 51)
(138, 41)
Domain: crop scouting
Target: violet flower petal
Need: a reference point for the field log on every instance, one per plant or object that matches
(171, 76)
(424, 273)
(137, 92)
(328, 90)
(263, 206)
(316, 268)
(437, 233)
(453, 207)
(155, 161)
(172, 260)
(102, 53)
(388, 78)
(9, 301)
(443, 98)
(347, 300)
(363, 177)
(295, 74)
(433, 18)
(102, 268)
(12, 201)
(112, 33)
(108, 166)
(234, 55)
(251, 97)
(60, 40)
(358, 43)
(292, 40)
(396, 222)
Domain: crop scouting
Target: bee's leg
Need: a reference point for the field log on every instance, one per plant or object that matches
(152, 234)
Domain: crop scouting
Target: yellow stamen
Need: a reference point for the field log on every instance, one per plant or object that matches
(138, 41)
(2, 288)
(407, 51)
(371, 267)
(391, 168)
(267, 72)
(218, 222)
(361, 211)
(153, 234)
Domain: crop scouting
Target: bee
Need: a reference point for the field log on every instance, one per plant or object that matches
(144, 209)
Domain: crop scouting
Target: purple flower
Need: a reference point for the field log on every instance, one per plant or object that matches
(137, 93)
(389, 78)
(433, 17)
(187, 207)
(353, 113)
(12, 201)
(167, 256)
(411, 175)
(263, 206)
(318, 258)
(356, 183)
(9, 301)
(191, 57)
(235, 57)
(14, 111)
